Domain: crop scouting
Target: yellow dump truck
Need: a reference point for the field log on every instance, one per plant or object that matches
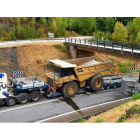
(70, 75)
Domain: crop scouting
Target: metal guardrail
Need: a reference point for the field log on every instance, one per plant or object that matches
(105, 44)
(15, 41)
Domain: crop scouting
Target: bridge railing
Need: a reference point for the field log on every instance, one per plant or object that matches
(105, 44)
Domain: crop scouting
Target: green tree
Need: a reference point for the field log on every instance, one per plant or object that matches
(12, 34)
(120, 32)
(43, 21)
(109, 24)
(39, 33)
(138, 38)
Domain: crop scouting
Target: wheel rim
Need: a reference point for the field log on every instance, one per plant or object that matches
(98, 83)
(24, 99)
(71, 89)
(35, 97)
(12, 101)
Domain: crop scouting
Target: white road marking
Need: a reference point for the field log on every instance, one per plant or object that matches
(81, 110)
(25, 106)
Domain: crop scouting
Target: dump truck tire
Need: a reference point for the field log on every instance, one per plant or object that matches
(70, 89)
(96, 83)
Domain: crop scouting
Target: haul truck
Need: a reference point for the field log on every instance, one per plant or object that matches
(71, 75)
(22, 90)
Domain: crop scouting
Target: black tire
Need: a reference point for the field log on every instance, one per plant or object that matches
(23, 99)
(96, 83)
(115, 85)
(14, 83)
(10, 81)
(70, 89)
(35, 96)
(11, 101)
(108, 86)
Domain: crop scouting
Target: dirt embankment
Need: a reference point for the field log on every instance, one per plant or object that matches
(30, 58)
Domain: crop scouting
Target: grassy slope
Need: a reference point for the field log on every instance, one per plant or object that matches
(114, 114)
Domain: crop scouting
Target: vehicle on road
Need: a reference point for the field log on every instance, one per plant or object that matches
(112, 82)
(70, 75)
(22, 90)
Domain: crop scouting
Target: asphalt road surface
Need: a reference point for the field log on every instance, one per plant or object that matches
(46, 108)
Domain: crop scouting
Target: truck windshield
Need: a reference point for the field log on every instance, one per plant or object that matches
(57, 72)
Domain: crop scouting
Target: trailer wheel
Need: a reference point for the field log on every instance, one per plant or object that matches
(35, 96)
(70, 89)
(11, 101)
(108, 86)
(96, 83)
(115, 85)
(23, 99)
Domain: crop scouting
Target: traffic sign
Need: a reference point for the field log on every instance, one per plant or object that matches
(50, 34)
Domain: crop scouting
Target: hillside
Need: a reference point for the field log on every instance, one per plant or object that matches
(127, 112)
(31, 58)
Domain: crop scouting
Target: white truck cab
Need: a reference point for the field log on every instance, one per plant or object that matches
(3, 85)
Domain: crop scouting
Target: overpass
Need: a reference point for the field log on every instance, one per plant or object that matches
(80, 47)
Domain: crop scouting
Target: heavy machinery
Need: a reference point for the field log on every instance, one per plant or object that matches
(71, 75)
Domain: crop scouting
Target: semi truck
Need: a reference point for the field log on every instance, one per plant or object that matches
(71, 75)
(21, 90)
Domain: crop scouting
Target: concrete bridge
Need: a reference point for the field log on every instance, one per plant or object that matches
(83, 47)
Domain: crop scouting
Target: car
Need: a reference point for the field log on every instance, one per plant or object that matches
(112, 82)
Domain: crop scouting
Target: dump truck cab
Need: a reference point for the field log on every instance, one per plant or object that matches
(70, 75)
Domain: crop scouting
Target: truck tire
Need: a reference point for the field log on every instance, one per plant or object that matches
(24, 98)
(10, 81)
(96, 83)
(14, 83)
(11, 101)
(70, 89)
(35, 96)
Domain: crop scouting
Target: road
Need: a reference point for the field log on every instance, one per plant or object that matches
(34, 41)
(33, 112)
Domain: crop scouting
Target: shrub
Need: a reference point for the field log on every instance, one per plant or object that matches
(136, 96)
(138, 70)
(124, 69)
(98, 120)
(120, 64)
(81, 120)
(60, 47)
(112, 59)
(122, 118)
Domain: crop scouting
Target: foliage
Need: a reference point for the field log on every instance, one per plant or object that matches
(98, 120)
(136, 96)
(81, 120)
(138, 70)
(120, 33)
(60, 47)
(112, 59)
(120, 64)
(123, 68)
(129, 113)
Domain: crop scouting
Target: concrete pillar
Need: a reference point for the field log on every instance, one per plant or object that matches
(73, 52)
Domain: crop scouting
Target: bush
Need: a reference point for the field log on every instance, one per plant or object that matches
(138, 70)
(136, 96)
(124, 69)
(81, 120)
(112, 59)
(120, 64)
(122, 118)
(98, 120)
(60, 47)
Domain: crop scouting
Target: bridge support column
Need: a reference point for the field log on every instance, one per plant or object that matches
(73, 52)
